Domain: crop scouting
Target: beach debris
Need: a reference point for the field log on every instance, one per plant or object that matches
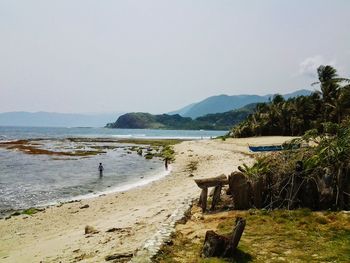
(90, 230)
(204, 184)
(119, 229)
(84, 206)
(120, 257)
(216, 245)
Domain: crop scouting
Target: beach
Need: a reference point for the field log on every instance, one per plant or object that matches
(122, 222)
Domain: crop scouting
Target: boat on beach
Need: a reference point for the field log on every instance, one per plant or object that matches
(272, 148)
(265, 148)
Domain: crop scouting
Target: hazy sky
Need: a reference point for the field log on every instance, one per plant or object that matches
(158, 56)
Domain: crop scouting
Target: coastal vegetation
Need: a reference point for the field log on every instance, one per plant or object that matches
(149, 148)
(295, 116)
(300, 192)
(317, 177)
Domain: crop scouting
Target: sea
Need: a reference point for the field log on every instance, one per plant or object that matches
(38, 180)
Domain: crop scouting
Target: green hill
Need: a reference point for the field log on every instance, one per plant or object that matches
(218, 121)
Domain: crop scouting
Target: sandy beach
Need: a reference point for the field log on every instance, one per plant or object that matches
(57, 234)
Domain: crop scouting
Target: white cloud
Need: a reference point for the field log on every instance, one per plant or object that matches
(308, 67)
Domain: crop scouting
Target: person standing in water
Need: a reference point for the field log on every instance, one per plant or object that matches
(100, 169)
(166, 163)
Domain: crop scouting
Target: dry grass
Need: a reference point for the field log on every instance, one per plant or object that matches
(192, 166)
(276, 236)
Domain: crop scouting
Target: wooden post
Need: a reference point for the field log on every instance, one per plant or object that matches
(203, 198)
(237, 233)
(240, 190)
(216, 245)
(216, 196)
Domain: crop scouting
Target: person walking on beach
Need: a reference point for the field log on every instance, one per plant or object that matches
(100, 169)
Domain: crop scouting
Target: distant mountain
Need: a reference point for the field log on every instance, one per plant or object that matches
(225, 120)
(224, 103)
(54, 119)
(218, 121)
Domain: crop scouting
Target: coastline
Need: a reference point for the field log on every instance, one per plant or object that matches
(57, 233)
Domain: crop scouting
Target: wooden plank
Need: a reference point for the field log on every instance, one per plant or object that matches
(211, 182)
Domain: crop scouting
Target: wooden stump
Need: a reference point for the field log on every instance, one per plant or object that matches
(237, 232)
(203, 199)
(216, 245)
(216, 196)
(240, 190)
(257, 188)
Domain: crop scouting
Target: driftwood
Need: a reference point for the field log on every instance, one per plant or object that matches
(216, 245)
(204, 184)
(120, 257)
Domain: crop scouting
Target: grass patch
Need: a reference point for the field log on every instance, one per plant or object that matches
(30, 211)
(192, 166)
(273, 236)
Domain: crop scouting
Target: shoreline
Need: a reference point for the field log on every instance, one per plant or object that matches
(57, 234)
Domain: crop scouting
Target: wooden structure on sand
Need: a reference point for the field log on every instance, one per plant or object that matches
(204, 184)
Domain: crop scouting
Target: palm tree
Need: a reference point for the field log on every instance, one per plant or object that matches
(330, 84)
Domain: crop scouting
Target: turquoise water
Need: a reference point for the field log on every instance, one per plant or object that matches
(36, 180)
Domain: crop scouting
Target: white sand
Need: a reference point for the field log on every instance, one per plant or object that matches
(57, 234)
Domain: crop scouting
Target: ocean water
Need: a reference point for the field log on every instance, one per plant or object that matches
(29, 180)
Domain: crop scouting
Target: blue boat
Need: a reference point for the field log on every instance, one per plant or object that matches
(266, 148)
(272, 148)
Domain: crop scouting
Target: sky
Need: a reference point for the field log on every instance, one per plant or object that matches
(157, 56)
